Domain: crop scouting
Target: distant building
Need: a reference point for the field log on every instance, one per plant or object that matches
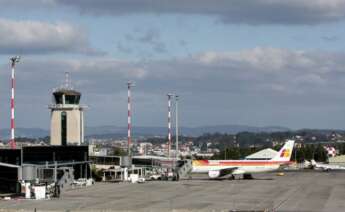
(204, 155)
(97, 151)
(144, 148)
(277, 143)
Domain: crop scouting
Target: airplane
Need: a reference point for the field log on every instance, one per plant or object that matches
(220, 168)
(325, 167)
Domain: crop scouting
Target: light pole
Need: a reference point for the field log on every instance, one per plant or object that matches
(169, 122)
(129, 116)
(14, 60)
(176, 123)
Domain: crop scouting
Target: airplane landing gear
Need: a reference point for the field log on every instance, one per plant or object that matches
(247, 177)
(232, 177)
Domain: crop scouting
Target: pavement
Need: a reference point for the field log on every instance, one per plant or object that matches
(295, 191)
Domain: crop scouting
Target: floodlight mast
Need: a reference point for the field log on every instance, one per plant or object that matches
(14, 60)
(169, 122)
(176, 123)
(130, 84)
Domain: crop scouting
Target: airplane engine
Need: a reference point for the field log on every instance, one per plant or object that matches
(214, 173)
(238, 171)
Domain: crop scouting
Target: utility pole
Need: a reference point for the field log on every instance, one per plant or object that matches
(14, 60)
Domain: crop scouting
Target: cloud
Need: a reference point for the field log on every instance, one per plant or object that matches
(330, 38)
(34, 37)
(152, 38)
(26, 3)
(122, 47)
(142, 43)
(228, 11)
(275, 86)
(252, 70)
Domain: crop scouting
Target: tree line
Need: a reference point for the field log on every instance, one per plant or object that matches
(299, 154)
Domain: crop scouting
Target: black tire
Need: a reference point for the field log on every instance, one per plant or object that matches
(247, 177)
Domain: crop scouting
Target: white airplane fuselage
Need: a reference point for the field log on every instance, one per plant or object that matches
(239, 166)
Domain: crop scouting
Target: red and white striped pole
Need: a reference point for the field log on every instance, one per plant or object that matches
(129, 117)
(14, 60)
(169, 123)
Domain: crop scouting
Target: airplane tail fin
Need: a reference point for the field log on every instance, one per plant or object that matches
(285, 152)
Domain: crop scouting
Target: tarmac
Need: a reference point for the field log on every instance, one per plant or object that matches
(295, 191)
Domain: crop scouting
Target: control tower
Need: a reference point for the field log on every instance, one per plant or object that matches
(67, 116)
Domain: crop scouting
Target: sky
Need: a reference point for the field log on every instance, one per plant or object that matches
(243, 62)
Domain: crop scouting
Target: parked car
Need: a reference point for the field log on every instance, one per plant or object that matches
(156, 177)
(80, 182)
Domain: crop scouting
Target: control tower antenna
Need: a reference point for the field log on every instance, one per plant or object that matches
(68, 83)
(14, 60)
(130, 84)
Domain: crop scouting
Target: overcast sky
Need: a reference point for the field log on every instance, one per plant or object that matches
(248, 62)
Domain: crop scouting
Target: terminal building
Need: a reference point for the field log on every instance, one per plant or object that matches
(48, 164)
